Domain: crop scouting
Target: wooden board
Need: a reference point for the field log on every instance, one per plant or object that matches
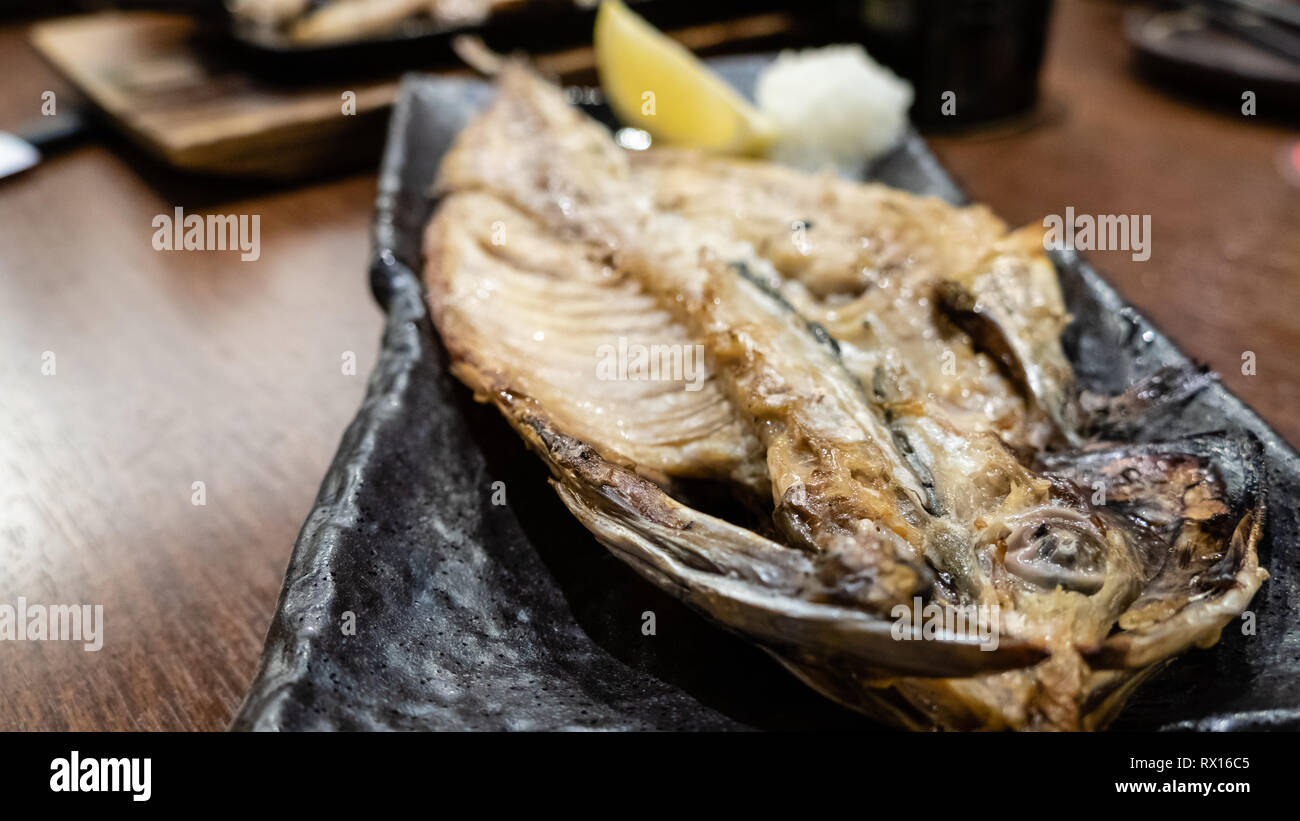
(199, 113)
(188, 103)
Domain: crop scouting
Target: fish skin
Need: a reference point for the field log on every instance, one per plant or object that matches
(881, 490)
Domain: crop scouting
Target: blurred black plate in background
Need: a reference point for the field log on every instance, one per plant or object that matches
(1184, 51)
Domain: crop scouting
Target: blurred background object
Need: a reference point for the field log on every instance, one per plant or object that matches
(1217, 51)
(22, 148)
(188, 104)
(196, 93)
(212, 92)
(230, 88)
(986, 54)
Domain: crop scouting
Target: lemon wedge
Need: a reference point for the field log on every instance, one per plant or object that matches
(654, 83)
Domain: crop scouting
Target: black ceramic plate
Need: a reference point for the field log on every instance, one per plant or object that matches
(471, 615)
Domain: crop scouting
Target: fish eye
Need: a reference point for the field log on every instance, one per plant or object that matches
(1057, 552)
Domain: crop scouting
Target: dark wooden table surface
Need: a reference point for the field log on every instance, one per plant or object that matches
(175, 368)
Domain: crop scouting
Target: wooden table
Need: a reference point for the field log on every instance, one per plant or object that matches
(178, 367)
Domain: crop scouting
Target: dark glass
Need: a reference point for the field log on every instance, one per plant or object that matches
(987, 52)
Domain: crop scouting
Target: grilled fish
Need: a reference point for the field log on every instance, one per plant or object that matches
(877, 377)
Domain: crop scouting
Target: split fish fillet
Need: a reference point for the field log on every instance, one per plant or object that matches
(877, 377)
